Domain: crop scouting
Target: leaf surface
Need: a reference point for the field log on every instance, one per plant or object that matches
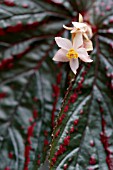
(83, 135)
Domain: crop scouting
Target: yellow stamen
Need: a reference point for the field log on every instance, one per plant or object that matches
(72, 54)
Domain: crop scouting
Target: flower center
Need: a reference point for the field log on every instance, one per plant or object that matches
(72, 54)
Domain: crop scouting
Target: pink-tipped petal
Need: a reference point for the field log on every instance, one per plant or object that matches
(83, 55)
(77, 41)
(61, 56)
(88, 45)
(63, 43)
(74, 64)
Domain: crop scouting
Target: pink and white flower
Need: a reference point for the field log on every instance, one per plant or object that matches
(70, 52)
(85, 29)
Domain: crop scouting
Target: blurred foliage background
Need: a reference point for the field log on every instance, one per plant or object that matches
(33, 88)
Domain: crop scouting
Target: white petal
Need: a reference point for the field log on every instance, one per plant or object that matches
(61, 56)
(80, 18)
(67, 28)
(82, 51)
(79, 25)
(89, 31)
(88, 45)
(74, 30)
(83, 55)
(74, 64)
(63, 43)
(85, 36)
(77, 41)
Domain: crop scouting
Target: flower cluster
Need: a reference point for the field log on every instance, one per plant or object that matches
(70, 51)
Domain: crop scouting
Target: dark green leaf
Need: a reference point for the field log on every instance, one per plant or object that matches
(83, 136)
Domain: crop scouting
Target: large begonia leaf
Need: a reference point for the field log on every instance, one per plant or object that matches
(83, 135)
(29, 80)
(32, 87)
